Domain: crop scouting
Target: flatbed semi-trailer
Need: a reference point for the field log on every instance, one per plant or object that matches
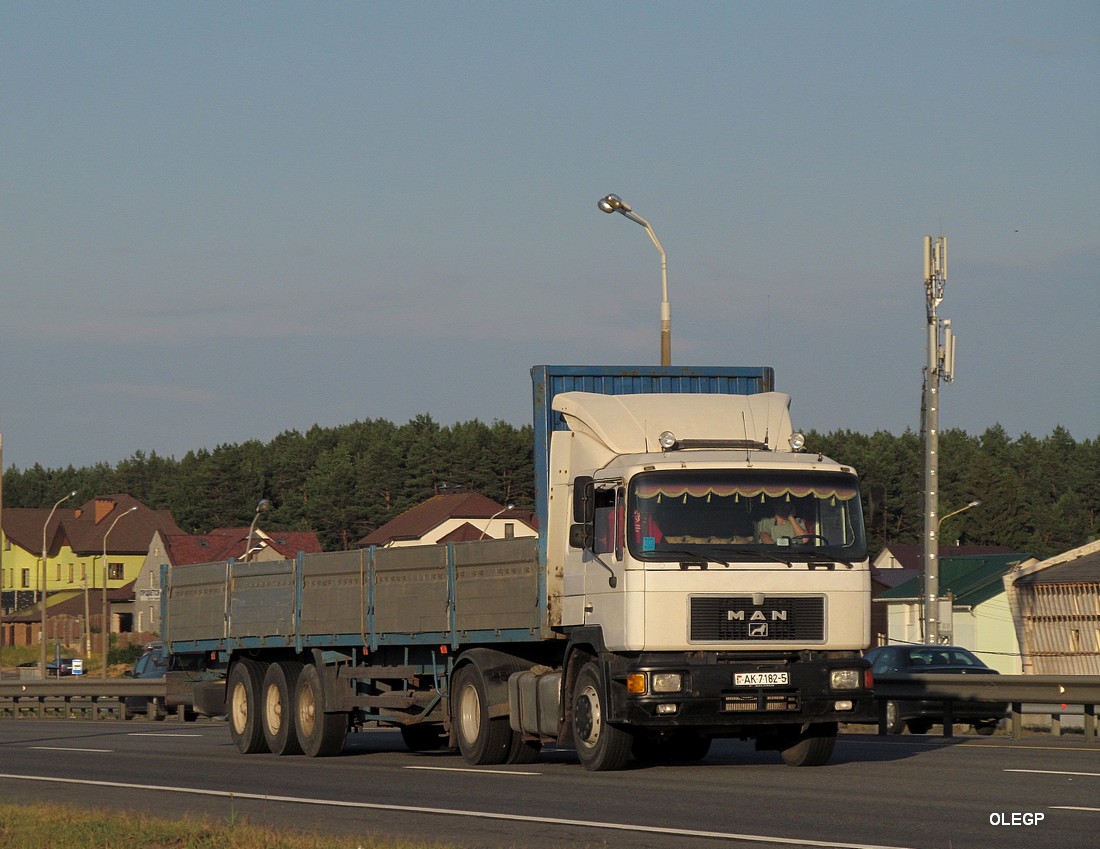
(648, 617)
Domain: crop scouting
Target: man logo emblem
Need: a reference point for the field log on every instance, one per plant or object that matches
(758, 629)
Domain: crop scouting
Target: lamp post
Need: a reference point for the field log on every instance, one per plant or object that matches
(506, 508)
(263, 505)
(614, 203)
(42, 652)
(106, 626)
(954, 513)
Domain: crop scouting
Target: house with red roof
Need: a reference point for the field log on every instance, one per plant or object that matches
(102, 542)
(453, 517)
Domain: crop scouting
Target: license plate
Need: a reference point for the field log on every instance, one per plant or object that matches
(760, 679)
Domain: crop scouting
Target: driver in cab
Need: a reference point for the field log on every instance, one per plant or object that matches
(781, 522)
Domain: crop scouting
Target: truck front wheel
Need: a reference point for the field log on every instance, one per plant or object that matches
(601, 746)
(320, 734)
(244, 687)
(809, 746)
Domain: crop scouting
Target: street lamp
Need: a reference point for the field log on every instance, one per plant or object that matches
(42, 652)
(106, 628)
(931, 596)
(954, 513)
(263, 505)
(506, 508)
(614, 203)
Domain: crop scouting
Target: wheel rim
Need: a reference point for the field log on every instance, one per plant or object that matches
(273, 709)
(588, 718)
(239, 706)
(891, 715)
(469, 712)
(307, 710)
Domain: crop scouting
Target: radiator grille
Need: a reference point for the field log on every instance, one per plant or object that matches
(737, 619)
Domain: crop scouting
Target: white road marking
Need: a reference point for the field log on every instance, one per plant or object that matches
(479, 771)
(67, 749)
(416, 809)
(1055, 772)
(1074, 808)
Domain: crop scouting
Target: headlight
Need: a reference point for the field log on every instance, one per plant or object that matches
(844, 679)
(667, 682)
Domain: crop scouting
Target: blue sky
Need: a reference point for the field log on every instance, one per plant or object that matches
(221, 221)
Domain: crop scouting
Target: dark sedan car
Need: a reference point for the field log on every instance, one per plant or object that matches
(918, 715)
(154, 663)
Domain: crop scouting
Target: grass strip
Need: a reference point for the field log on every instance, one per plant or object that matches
(50, 827)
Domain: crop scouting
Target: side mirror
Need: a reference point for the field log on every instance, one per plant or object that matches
(581, 536)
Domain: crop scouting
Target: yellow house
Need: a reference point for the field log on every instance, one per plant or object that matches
(105, 539)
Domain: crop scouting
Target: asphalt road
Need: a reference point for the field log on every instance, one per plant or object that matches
(920, 792)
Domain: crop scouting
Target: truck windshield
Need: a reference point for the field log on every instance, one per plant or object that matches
(730, 514)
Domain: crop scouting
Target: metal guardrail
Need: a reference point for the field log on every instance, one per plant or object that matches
(1014, 690)
(75, 696)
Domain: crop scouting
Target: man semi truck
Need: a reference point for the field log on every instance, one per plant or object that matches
(696, 575)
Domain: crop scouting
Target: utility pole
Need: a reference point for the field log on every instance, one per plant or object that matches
(941, 364)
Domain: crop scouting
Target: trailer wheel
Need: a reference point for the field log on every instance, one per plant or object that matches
(320, 734)
(245, 685)
(601, 746)
(280, 682)
(480, 739)
(810, 746)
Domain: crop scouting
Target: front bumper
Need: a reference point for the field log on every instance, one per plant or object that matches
(710, 700)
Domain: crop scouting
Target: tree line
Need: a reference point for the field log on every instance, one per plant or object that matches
(1040, 496)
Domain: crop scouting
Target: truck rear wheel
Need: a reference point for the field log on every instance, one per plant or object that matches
(320, 734)
(244, 687)
(480, 739)
(600, 745)
(809, 746)
(280, 682)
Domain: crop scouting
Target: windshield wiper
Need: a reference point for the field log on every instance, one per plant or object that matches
(764, 555)
(691, 554)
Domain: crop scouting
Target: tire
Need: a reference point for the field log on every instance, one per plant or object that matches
(523, 751)
(320, 734)
(280, 683)
(894, 723)
(601, 746)
(919, 726)
(987, 728)
(244, 687)
(481, 740)
(156, 710)
(424, 737)
(812, 746)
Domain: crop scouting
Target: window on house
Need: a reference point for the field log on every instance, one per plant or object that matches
(72, 572)
(26, 578)
(114, 571)
(509, 530)
(58, 578)
(83, 572)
